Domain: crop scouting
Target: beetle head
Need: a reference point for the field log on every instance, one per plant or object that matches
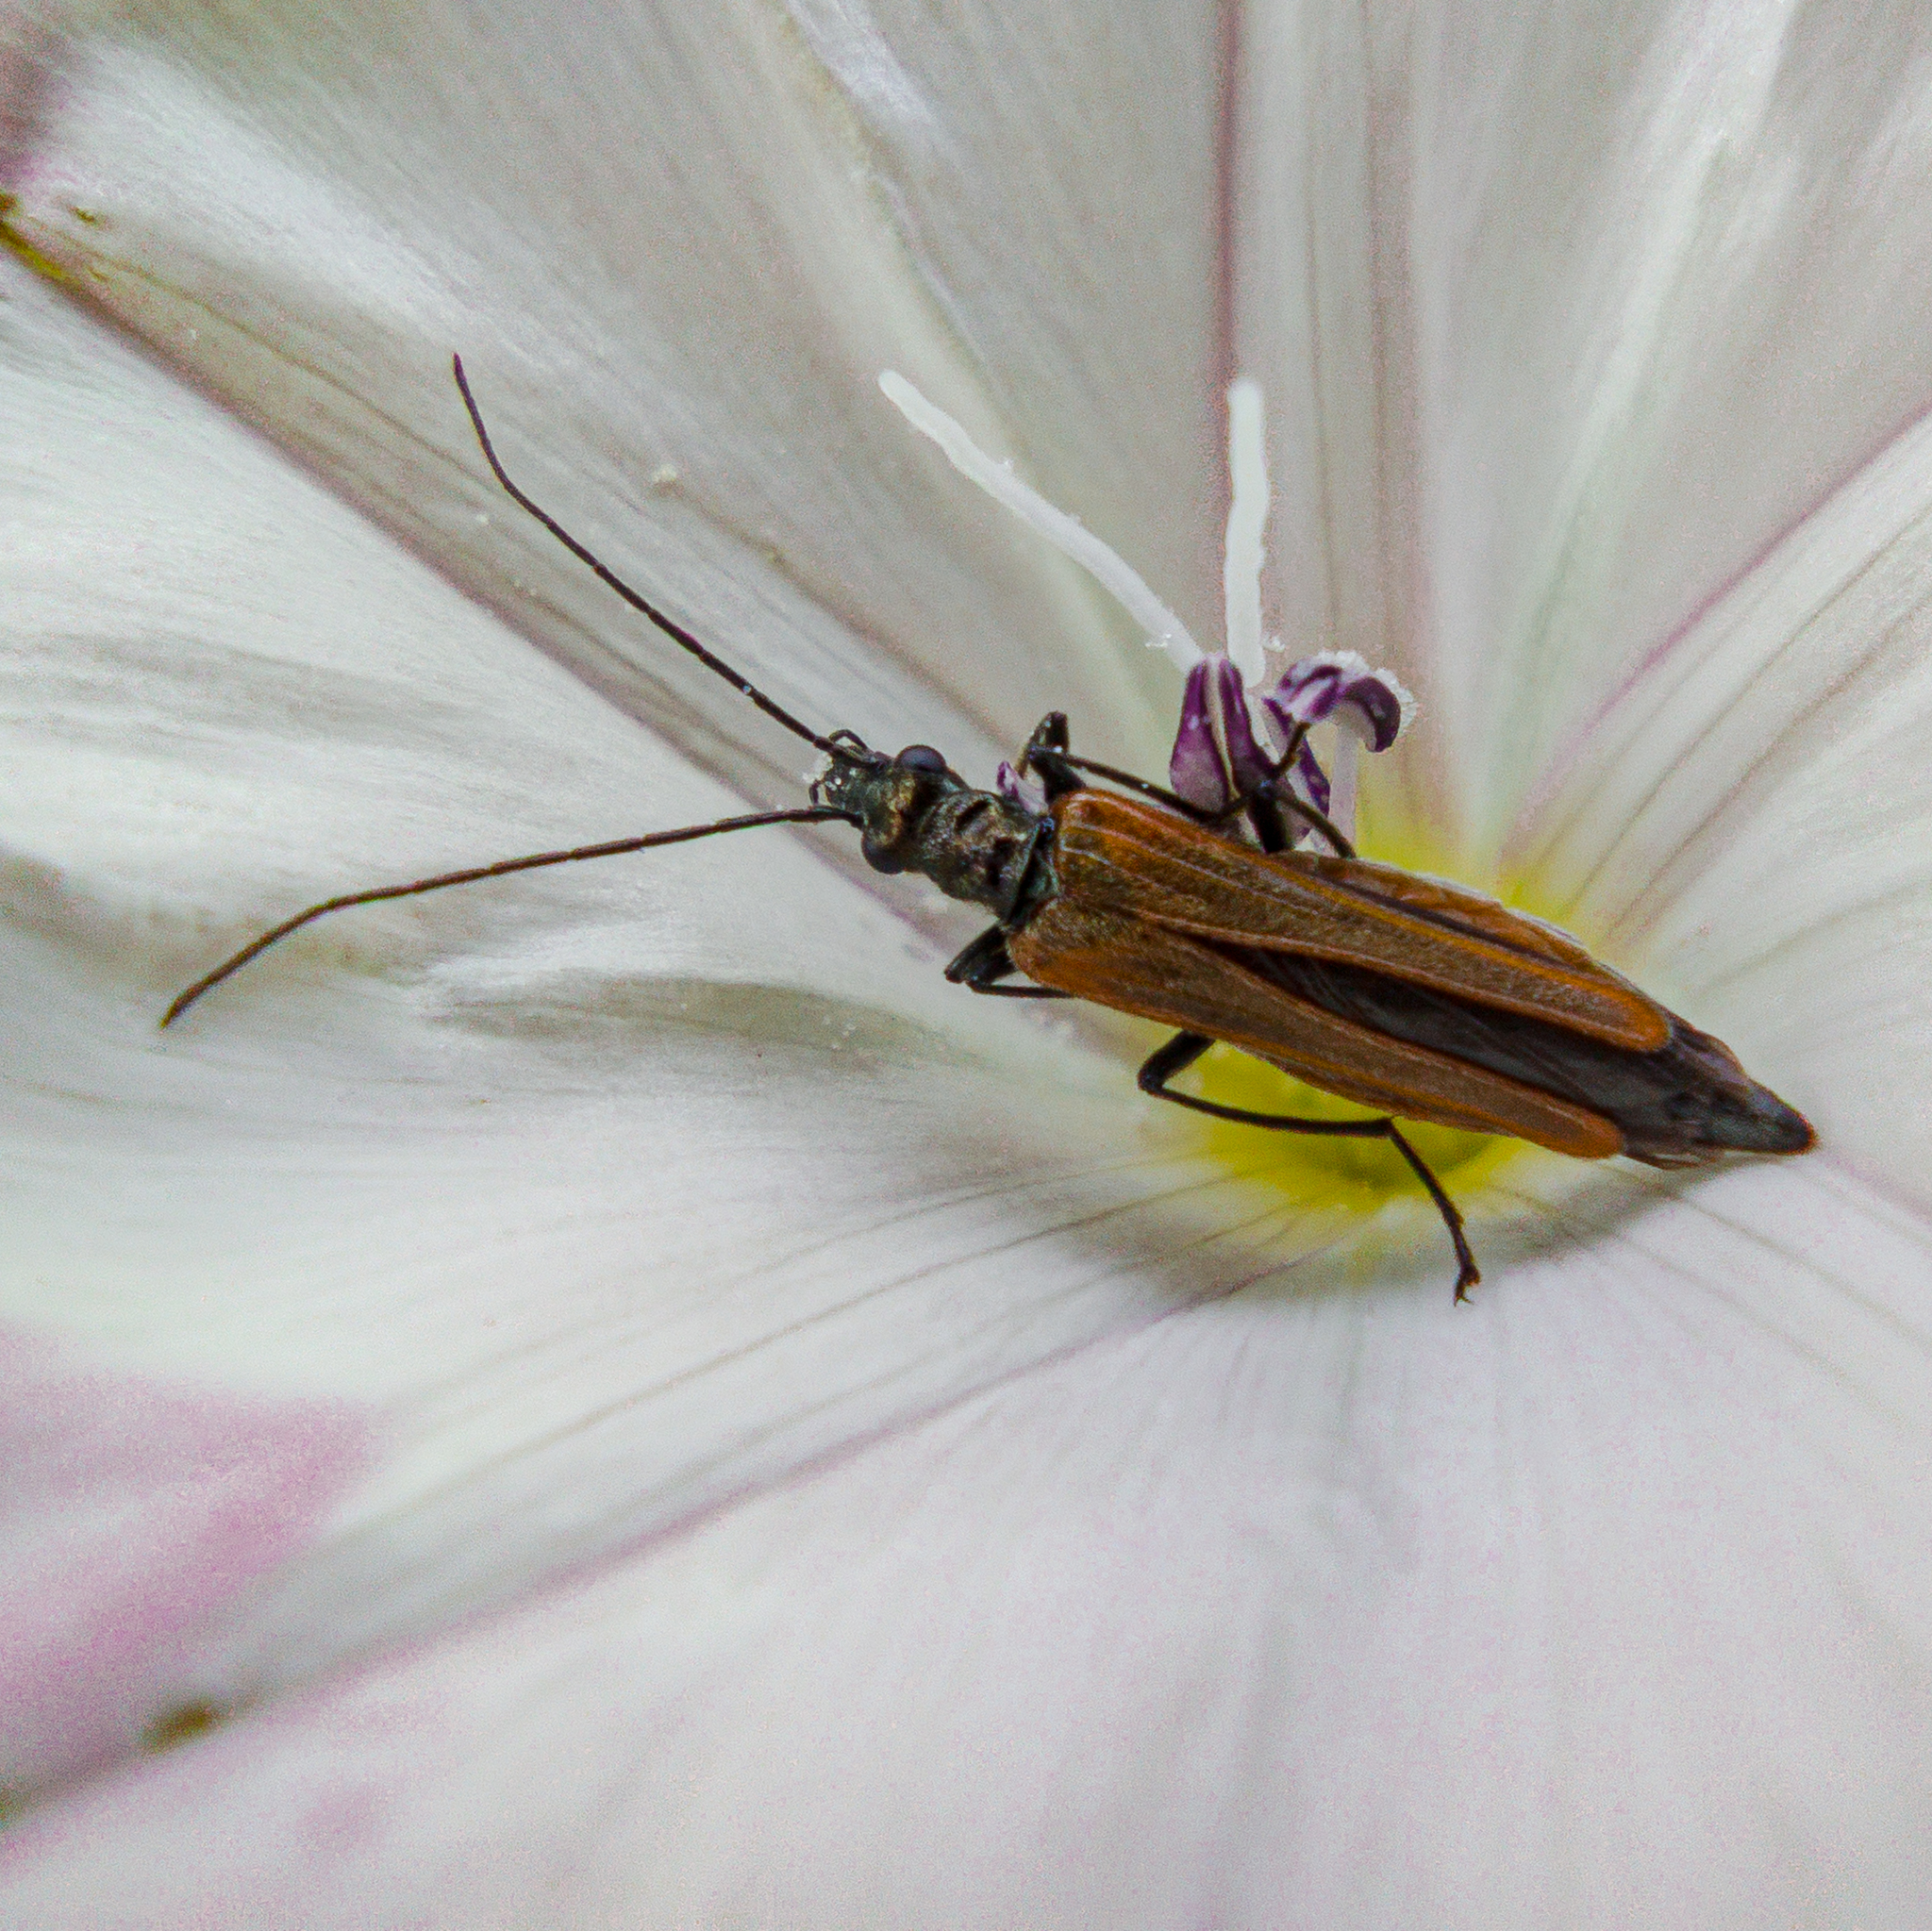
(889, 798)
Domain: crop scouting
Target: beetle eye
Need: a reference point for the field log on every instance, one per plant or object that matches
(920, 758)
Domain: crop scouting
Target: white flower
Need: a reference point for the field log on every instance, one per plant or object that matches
(618, 1397)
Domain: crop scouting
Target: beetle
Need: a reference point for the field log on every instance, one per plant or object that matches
(1405, 994)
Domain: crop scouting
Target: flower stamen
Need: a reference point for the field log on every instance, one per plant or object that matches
(1248, 524)
(1067, 534)
(1235, 724)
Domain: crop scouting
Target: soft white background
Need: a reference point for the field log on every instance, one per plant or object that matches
(701, 1422)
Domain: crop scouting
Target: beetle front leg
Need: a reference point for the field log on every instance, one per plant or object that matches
(987, 960)
(1181, 1051)
(1045, 755)
(1049, 734)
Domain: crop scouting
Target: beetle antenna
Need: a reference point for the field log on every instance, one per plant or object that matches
(809, 815)
(677, 632)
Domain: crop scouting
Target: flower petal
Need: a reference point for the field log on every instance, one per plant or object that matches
(1597, 1602)
(606, 1194)
(1750, 825)
(133, 1515)
(675, 303)
(1571, 311)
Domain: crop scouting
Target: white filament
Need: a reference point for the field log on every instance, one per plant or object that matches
(1067, 534)
(1247, 522)
(1343, 768)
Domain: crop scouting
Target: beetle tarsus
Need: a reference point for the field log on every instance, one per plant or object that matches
(1181, 1051)
(1046, 757)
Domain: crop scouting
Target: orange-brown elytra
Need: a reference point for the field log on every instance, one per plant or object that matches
(1404, 994)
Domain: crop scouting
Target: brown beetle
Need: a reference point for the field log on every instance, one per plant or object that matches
(1402, 994)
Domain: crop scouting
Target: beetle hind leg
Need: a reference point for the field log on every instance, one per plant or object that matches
(1180, 1052)
(1466, 1272)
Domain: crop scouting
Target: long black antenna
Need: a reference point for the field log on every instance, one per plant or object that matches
(710, 660)
(809, 814)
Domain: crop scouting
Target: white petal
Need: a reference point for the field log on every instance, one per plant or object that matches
(1749, 822)
(1576, 310)
(600, 1196)
(1602, 1601)
(1287, 1575)
(676, 251)
(132, 1516)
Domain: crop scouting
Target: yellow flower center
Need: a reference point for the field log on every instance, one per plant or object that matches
(1332, 1171)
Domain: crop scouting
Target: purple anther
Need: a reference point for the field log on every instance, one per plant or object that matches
(1197, 771)
(1340, 685)
(1218, 754)
(1224, 750)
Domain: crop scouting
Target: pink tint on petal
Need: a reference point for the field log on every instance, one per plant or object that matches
(26, 86)
(132, 1511)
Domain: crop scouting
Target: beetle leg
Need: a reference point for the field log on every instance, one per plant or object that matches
(1265, 801)
(1182, 1051)
(1146, 787)
(1049, 734)
(1045, 755)
(1466, 1272)
(1264, 815)
(987, 960)
(1265, 797)
(1283, 798)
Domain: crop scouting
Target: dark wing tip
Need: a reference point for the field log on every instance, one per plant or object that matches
(1748, 1118)
(1753, 1121)
(1716, 1109)
(1785, 1129)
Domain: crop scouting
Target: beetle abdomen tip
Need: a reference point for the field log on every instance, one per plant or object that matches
(1717, 1109)
(1761, 1122)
